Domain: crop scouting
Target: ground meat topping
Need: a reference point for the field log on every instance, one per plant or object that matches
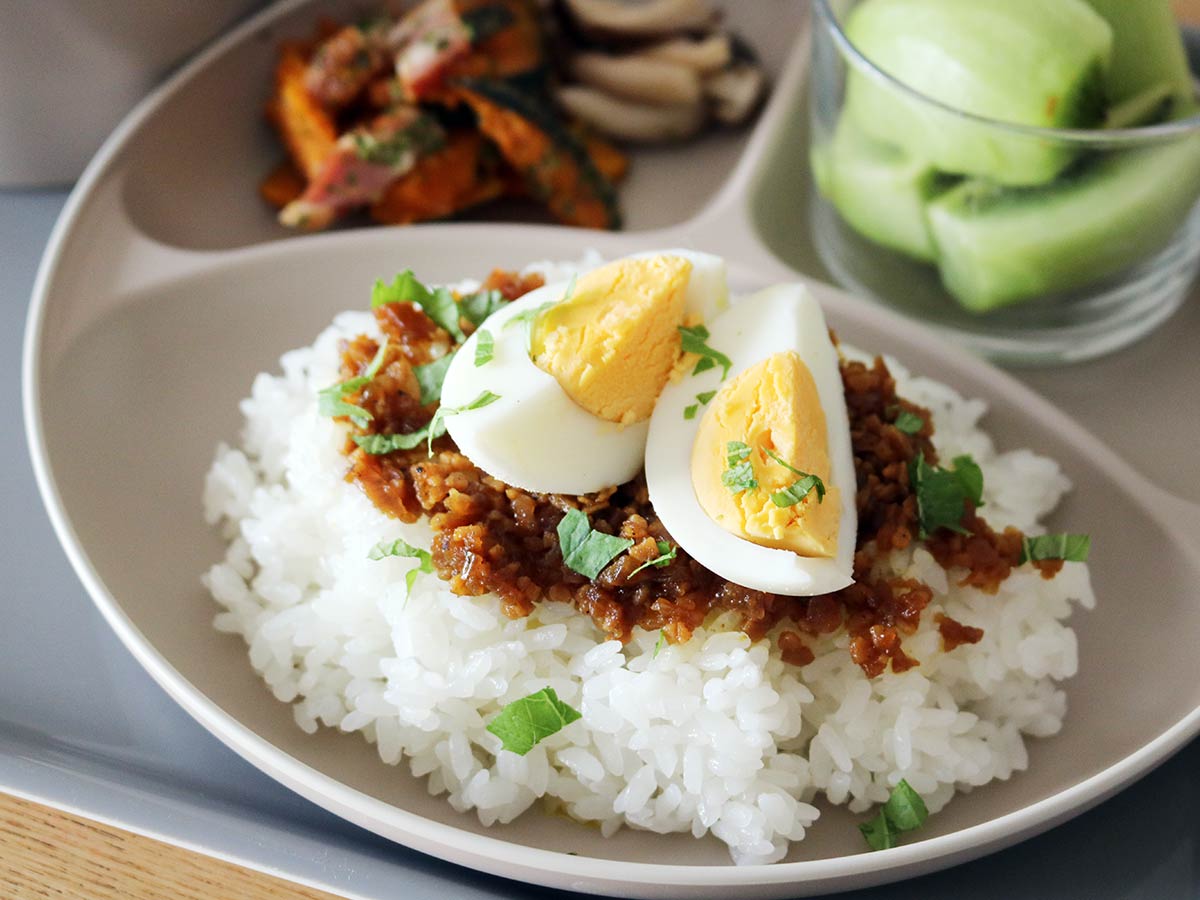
(490, 537)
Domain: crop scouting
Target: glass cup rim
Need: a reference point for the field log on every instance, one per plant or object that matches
(1143, 134)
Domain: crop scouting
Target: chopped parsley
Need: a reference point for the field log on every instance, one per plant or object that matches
(475, 308)
(439, 304)
(485, 347)
(1067, 547)
(585, 550)
(430, 377)
(443, 309)
(526, 722)
(705, 397)
(908, 422)
(378, 444)
(695, 341)
(401, 547)
(739, 471)
(689, 412)
(666, 553)
(331, 402)
(942, 493)
(422, 135)
(797, 490)
(659, 644)
(904, 811)
(702, 399)
(529, 316)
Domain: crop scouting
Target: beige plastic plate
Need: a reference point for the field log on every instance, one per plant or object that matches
(166, 288)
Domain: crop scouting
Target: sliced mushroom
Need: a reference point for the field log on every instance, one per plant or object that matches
(705, 55)
(629, 121)
(652, 81)
(641, 18)
(734, 92)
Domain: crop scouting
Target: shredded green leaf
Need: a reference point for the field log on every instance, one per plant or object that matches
(659, 644)
(585, 550)
(476, 308)
(529, 316)
(331, 402)
(705, 397)
(695, 341)
(431, 376)
(942, 493)
(739, 472)
(666, 553)
(401, 547)
(378, 444)
(404, 289)
(908, 422)
(443, 309)
(689, 412)
(485, 347)
(526, 722)
(1068, 547)
(904, 811)
(798, 490)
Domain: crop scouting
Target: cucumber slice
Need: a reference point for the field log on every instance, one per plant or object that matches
(1029, 62)
(997, 246)
(1147, 48)
(878, 190)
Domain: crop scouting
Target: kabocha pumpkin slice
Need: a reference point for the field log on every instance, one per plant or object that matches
(554, 164)
(307, 129)
(283, 185)
(452, 179)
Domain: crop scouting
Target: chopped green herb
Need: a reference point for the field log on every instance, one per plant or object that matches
(739, 472)
(430, 377)
(422, 135)
(689, 412)
(330, 401)
(401, 547)
(942, 493)
(659, 644)
(1068, 547)
(695, 341)
(526, 722)
(702, 399)
(909, 423)
(378, 444)
(475, 308)
(404, 289)
(485, 347)
(666, 553)
(585, 550)
(443, 309)
(798, 490)
(527, 317)
(705, 397)
(904, 811)
(967, 471)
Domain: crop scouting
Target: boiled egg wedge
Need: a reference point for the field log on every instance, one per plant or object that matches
(751, 471)
(577, 368)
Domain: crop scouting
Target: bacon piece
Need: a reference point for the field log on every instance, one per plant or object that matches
(427, 42)
(344, 64)
(363, 163)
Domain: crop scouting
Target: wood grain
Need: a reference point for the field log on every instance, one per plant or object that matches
(49, 855)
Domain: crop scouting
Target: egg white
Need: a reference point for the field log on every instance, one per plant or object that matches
(535, 436)
(780, 318)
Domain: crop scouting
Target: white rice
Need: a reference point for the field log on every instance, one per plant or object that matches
(716, 736)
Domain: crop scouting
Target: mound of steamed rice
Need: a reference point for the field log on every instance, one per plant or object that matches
(717, 735)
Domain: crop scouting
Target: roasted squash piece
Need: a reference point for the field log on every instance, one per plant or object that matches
(609, 161)
(283, 185)
(308, 131)
(441, 184)
(554, 164)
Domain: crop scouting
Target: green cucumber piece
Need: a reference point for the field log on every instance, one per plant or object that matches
(1152, 105)
(878, 189)
(998, 246)
(1027, 62)
(1147, 48)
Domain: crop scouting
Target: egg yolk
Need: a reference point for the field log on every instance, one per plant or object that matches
(774, 405)
(612, 344)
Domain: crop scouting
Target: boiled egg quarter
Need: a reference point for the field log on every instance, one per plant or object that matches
(577, 376)
(779, 416)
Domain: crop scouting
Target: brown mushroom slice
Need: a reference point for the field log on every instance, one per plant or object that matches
(734, 92)
(705, 55)
(641, 19)
(629, 121)
(638, 78)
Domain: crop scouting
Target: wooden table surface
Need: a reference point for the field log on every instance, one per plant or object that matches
(49, 855)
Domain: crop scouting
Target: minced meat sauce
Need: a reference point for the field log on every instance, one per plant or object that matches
(490, 537)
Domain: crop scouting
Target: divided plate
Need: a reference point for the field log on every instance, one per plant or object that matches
(165, 290)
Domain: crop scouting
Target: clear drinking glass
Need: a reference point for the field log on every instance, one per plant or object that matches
(1064, 271)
